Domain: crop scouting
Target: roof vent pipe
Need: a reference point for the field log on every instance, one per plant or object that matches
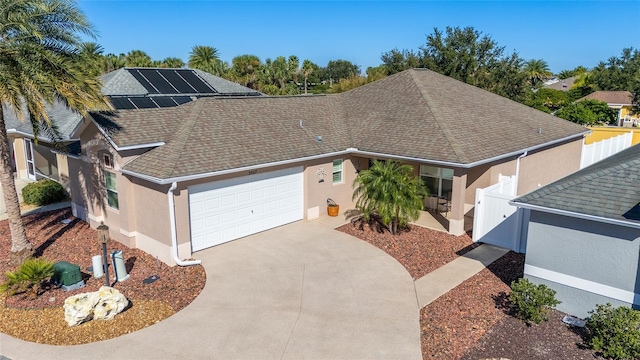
(301, 124)
(174, 236)
(319, 138)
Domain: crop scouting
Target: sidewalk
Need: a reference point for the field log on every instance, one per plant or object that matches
(440, 281)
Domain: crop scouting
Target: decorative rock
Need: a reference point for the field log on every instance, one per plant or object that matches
(111, 302)
(79, 308)
(103, 304)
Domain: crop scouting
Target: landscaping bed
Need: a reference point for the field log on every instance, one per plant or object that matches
(473, 321)
(77, 243)
(419, 250)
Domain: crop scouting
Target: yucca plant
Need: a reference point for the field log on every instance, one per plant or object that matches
(29, 277)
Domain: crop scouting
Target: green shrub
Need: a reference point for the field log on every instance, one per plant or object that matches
(532, 302)
(28, 277)
(43, 192)
(614, 332)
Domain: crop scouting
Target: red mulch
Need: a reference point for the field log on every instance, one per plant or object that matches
(76, 243)
(419, 250)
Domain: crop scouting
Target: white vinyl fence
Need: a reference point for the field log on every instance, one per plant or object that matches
(495, 221)
(597, 151)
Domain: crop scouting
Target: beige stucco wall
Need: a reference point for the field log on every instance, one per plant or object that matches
(545, 166)
(19, 157)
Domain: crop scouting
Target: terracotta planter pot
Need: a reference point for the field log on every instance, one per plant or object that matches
(333, 210)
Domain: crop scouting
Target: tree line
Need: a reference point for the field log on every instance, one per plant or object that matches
(465, 54)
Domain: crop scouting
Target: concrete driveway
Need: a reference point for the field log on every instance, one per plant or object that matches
(301, 291)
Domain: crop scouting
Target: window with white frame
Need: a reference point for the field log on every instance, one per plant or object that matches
(112, 190)
(337, 171)
(439, 181)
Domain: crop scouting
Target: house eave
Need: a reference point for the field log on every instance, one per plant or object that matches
(167, 181)
(573, 214)
(30, 136)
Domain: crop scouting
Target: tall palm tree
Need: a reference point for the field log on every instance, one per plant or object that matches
(307, 69)
(137, 58)
(536, 70)
(40, 62)
(92, 57)
(205, 58)
(389, 192)
(245, 70)
(172, 62)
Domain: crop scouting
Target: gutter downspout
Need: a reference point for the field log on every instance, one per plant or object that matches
(174, 236)
(515, 190)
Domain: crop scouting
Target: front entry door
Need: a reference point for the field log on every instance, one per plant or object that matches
(31, 164)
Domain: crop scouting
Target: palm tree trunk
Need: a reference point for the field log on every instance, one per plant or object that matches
(21, 248)
(305, 85)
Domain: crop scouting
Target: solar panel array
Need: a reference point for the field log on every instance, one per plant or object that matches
(143, 102)
(171, 81)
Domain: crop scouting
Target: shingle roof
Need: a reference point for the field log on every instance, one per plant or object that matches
(606, 189)
(610, 97)
(416, 113)
(65, 120)
(423, 114)
(562, 84)
(223, 133)
(116, 83)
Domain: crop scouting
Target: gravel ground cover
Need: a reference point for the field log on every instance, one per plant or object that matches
(76, 243)
(419, 250)
(473, 320)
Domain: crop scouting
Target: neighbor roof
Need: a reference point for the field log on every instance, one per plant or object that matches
(121, 83)
(610, 97)
(607, 189)
(416, 114)
(562, 84)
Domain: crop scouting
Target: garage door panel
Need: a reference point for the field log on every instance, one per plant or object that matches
(239, 207)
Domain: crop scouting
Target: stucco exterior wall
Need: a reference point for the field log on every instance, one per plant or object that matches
(547, 165)
(19, 157)
(586, 262)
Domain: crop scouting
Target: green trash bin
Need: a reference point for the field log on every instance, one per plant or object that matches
(67, 275)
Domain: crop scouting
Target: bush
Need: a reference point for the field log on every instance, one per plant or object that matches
(532, 302)
(43, 192)
(29, 276)
(614, 332)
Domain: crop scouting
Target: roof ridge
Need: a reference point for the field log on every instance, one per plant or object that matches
(184, 133)
(437, 117)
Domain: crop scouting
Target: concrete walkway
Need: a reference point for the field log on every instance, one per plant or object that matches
(301, 291)
(39, 209)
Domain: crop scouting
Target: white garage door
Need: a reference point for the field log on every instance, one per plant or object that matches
(226, 210)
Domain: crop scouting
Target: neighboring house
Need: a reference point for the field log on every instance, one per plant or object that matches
(619, 100)
(560, 84)
(583, 237)
(173, 181)
(127, 88)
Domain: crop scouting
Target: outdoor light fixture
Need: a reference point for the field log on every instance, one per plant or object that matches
(103, 237)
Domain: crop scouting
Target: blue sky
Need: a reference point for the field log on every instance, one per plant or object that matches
(563, 33)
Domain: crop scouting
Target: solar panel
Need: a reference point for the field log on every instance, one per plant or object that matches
(181, 99)
(121, 103)
(143, 102)
(164, 101)
(160, 83)
(136, 74)
(177, 81)
(193, 80)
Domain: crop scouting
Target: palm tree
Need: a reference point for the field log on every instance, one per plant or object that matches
(172, 62)
(245, 70)
(137, 58)
(389, 192)
(92, 57)
(307, 69)
(205, 58)
(536, 70)
(40, 62)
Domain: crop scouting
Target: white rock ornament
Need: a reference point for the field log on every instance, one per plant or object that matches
(103, 304)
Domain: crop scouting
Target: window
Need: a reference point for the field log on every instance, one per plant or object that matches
(112, 191)
(108, 161)
(337, 171)
(439, 181)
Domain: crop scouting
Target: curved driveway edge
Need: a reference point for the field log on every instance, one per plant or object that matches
(301, 291)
